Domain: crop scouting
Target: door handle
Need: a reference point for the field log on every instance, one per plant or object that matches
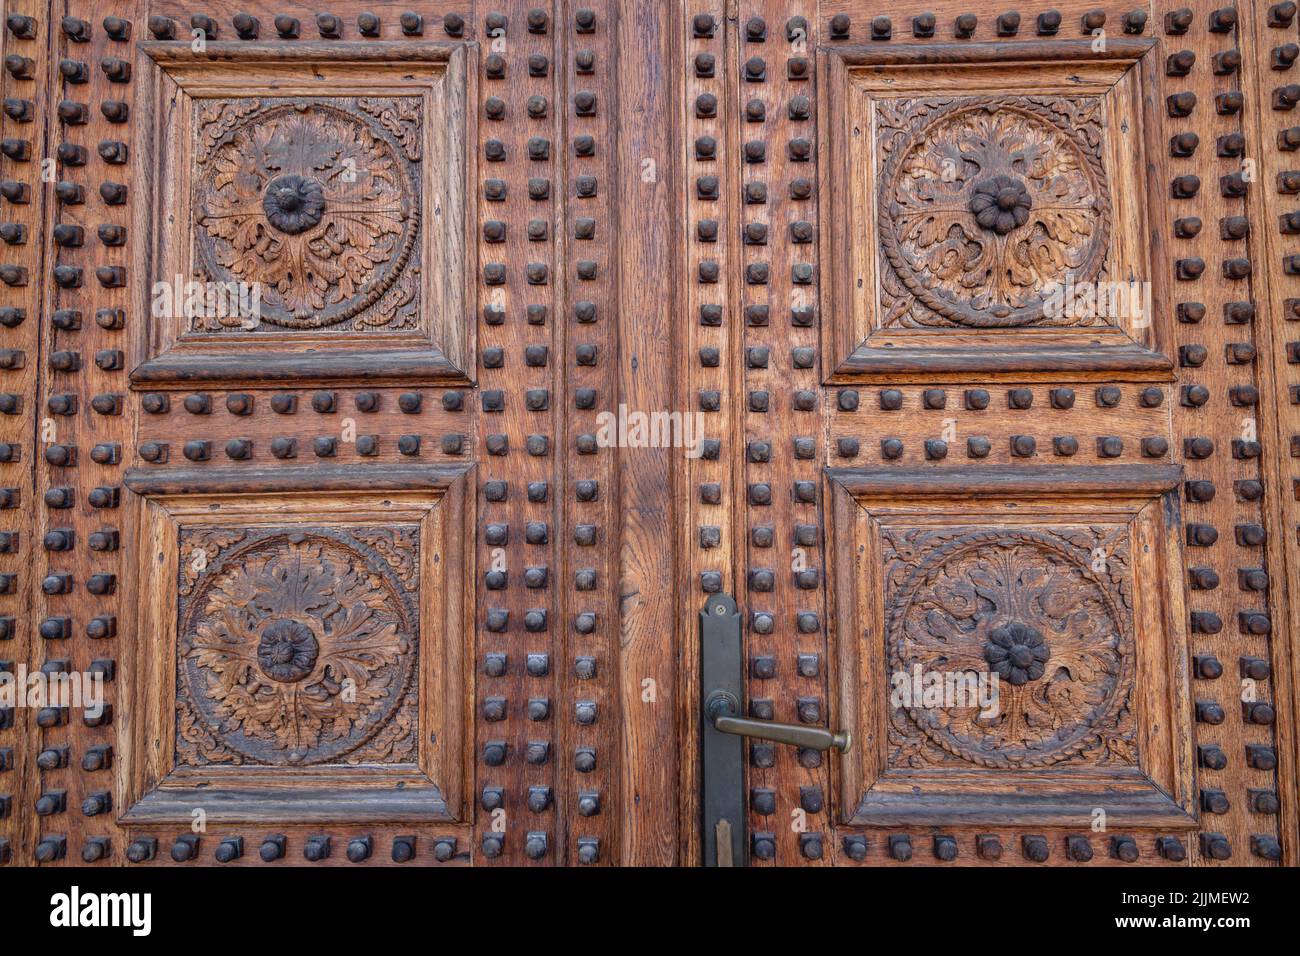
(723, 729)
(723, 709)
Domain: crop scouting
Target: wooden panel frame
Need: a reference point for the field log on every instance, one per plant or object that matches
(1158, 793)
(441, 350)
(441, 501)
(854, 78)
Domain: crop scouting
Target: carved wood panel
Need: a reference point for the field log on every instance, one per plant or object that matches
(996, 219)
(1028, 607)
(1006, 640)
(297, 647)
(334, 219)
(320, 642)
(836, 230)
(984, 203)
(315, 201)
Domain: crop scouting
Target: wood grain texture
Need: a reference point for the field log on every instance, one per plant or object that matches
(1263, 72)
(23, 310)
(648, 230)
(642, 208)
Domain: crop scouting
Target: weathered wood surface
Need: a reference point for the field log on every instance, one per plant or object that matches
(669, 207)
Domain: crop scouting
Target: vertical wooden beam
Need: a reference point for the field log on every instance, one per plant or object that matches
(24, 206)
(782, 402)
(648, 88)
(589, 707)
(708, 366)
(518, 395)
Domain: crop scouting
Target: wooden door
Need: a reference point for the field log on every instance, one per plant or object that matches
(961, 343)
(998, 355)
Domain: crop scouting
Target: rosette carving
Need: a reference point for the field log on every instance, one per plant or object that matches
(984, 203)
(296, 648)
(1048, 612)
(317, 202)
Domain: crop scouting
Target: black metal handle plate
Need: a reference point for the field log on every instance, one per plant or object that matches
(723, 755)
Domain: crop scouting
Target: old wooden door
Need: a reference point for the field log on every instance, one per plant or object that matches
(330, 333)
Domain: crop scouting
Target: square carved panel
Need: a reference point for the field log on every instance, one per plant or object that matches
(308, 213)
(1012, 646)
(305, 661)
(297, 646)
(317, 201)
(987, 207)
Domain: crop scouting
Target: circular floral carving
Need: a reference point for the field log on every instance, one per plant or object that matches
(985, 202)
(287, 651)
(298, 648)
(1017, 653)
(315, 204)
(1001, 204)
(1027, 606)
(293, 203)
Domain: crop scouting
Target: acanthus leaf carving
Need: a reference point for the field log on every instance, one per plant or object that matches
(200, 553)
(401, 117)
(984, 204)
(298, 647)
(315, 202)
(1049, 611)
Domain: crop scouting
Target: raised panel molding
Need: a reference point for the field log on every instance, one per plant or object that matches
(971, 190)
(335, 178)
(300, 658)
(1065, 584)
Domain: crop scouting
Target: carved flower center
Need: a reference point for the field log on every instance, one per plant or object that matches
(1017, 653)
(287, 651)
(1021, 656)
(288, 199)
(293, 203)
(1001, 204)
(1007, 198)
